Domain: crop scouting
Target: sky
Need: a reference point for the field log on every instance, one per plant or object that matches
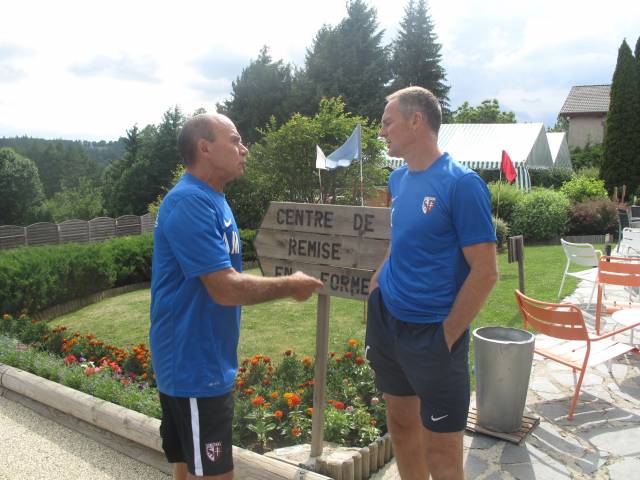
(91, 70)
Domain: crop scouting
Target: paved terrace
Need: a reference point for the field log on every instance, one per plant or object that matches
(602, 442)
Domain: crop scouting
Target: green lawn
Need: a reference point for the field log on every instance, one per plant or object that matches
(276, 326)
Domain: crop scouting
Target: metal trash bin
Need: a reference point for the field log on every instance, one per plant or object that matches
(503, 358)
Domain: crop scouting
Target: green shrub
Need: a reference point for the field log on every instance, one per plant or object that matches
(508, 197)
(550, 178)
(131, 258)
(502, 231)
(247, 237)
(35, 278)
(589, 156)
(541, 215)
(581, 188)
(593, 217)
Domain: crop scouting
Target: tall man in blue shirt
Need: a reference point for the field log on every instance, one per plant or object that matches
(196, 291)
(439, 270)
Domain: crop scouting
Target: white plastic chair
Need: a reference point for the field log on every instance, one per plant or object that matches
(629, 245)
(585, 255)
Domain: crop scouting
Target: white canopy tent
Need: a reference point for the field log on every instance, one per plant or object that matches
(559, 150)
(479, 146)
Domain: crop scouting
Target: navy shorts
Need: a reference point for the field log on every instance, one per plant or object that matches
(197, 431)
(413, 359)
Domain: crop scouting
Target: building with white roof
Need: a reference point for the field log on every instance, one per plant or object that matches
(479, 146)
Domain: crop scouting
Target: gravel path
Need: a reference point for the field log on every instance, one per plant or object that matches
(34, 447)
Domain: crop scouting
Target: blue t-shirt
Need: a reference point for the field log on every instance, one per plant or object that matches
(193, 339)
(435, 213)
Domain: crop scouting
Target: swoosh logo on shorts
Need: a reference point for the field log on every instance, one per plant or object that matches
(437, 419)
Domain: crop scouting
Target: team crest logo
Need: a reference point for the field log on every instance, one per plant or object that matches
(427, 204)
(214, 450)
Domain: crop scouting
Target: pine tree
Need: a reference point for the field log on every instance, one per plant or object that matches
(621, 163)
(416, 58)
(349, 61)
(262, 90)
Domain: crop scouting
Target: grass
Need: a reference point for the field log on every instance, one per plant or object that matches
(276, 326)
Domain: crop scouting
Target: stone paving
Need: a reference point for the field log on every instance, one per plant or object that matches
(602, 441)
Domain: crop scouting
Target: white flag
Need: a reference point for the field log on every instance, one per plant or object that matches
(321, 160)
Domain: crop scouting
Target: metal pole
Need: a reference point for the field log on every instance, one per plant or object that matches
(320, 377)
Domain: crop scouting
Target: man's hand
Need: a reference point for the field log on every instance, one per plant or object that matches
(303, 285)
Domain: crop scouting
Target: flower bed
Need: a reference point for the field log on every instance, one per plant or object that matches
(273, 401)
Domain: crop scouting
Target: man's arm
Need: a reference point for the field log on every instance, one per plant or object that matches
(483, 275)
(230, 287)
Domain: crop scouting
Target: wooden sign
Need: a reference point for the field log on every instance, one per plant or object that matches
(341, 245)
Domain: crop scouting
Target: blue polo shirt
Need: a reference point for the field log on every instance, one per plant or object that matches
(193, 339)
(435, 213)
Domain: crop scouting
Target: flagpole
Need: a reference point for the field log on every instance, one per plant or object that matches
(495, 227)
(361, 184)
(320, 180)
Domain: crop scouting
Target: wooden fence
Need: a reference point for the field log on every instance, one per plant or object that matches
(77, 231)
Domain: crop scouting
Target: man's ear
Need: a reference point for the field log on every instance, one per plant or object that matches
(416, 120)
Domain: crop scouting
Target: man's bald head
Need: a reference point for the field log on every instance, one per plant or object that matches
(203, 126)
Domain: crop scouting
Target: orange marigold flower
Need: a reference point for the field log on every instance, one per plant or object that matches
(374, 422)
(307, 361)
(296, 431)
(293, 401)
(310, 411)
(266, 381)
(352, 342)
(359, 361)
(254, 361)
(288, 353)
(266, 359)
(240, 383)
(257, 401)
(348, 354)
(266, 405)
(338, 405)
(338, 359)
(278, 413)
(274, 395)
(248, 391)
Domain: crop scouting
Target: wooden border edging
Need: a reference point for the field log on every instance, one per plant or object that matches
(78, 303)
(131, 425)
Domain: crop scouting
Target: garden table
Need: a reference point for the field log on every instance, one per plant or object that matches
(627, 316)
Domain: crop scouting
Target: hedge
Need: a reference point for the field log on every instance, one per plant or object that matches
(35, 278)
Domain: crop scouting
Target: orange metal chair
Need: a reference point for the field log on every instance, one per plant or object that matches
(570, 344)
(622, 271)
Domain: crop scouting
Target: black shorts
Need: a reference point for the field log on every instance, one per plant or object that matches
(413, 359)
(197, 431)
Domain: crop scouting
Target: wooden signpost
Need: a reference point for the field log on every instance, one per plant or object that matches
(341, 245)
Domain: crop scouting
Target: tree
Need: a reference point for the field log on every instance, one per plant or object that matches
(487, 112)
(416, 58)
(562, 125)
(124, 189)
(282, 164)
(349, 61)
(20, 188)
(83, 201)
(261, 91)
(621, 162)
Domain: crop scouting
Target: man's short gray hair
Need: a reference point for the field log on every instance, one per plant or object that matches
(194, 129)
(419, 99)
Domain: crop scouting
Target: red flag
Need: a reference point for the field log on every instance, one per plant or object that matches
(507, 168)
